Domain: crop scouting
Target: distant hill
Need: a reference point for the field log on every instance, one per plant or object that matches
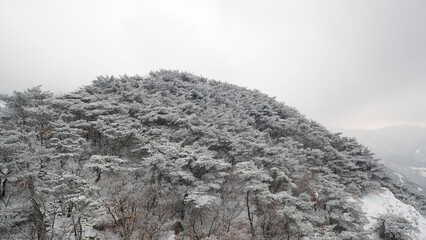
(177, 156)
(401, 148)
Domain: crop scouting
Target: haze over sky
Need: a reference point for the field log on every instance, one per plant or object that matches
(347, 64)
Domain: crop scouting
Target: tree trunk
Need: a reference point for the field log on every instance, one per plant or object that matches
(249, 214)
(38, 221)
(3, 188)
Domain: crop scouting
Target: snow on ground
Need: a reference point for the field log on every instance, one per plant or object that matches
(375, 204)
(171, 236)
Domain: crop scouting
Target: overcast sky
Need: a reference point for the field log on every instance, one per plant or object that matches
(348, 64)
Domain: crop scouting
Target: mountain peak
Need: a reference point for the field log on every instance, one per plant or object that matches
(172, 153)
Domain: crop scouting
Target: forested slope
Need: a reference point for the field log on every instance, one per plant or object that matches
(173, 153)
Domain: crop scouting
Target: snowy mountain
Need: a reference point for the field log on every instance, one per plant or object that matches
(401, 148)
(173, 155)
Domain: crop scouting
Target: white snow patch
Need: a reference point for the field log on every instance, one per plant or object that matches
(171, 235)
(400, 177)
(375, 204)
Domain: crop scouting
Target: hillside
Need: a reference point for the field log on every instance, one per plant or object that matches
(401, 148)
(173, 155)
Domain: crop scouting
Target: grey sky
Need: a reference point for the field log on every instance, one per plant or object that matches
(349, 64)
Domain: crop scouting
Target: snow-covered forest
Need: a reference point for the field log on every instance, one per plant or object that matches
(176, 156)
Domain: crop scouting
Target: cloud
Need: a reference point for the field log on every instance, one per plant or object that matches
(343, 63)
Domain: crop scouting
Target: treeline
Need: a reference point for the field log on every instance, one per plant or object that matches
(173, 153)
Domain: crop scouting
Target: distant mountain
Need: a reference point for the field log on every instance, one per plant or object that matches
(177, 156)
(401, 148)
